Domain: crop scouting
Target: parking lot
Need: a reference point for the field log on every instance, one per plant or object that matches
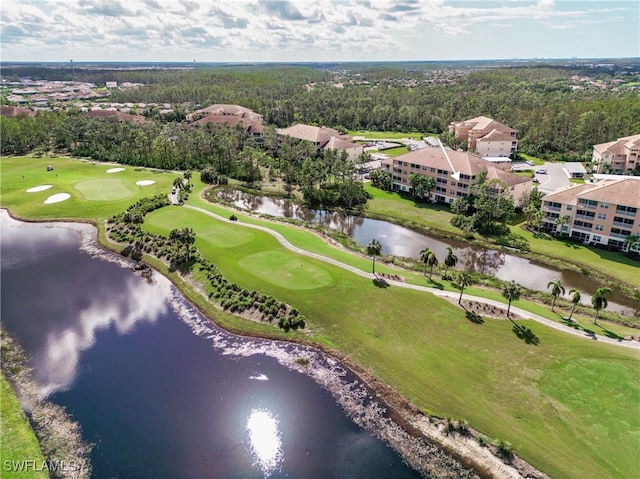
(550, 176)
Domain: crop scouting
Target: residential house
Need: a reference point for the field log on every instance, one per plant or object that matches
(486, 136)
(253, 128)
(602, 213)
(15, 111)
(230, 115)
(619, 156)
(323, 138)
(118, 115)
(225, 110)
(453, 171)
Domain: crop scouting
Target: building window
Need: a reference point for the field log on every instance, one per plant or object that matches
(569, 207)
(604, 205)
(602, 216)
(599, 228)
(597, 238)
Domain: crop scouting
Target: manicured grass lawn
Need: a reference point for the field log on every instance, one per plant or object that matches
(427, 350)
(390, 135)
(438, 217)
(403, 208)
(17, 440)
(104, 190)
(94, 192)
(396, 151)
(536, 160)
(611, 263)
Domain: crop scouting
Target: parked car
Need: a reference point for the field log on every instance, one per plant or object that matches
(536, 180)
(530, 163)
(541, 171)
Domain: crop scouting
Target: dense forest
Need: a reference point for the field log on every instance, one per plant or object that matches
(554, 118)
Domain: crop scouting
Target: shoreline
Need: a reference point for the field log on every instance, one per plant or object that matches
(541, 259)
(463, 447)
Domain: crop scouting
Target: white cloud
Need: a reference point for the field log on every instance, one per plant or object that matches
(331, 29)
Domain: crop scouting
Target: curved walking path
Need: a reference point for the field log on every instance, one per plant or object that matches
(445, 294)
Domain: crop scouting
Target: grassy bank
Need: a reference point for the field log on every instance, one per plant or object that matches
(539, 395)
(17, 440)
(437, 218)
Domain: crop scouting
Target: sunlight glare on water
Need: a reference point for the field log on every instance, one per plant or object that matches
(266, 443)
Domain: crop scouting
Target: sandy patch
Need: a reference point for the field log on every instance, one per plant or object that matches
(145, 182)
(57, 198)
(114, 170)
(35, 189)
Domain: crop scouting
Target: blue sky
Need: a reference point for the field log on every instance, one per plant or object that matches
(316, 30)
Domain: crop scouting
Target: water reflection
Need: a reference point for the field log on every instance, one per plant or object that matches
(83, 304)
(400, 241)
(265, 440)
(161, 401)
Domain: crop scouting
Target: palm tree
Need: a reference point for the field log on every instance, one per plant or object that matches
(575, 299)
(431, 262)
(424, 257)
(556, 290)
(450, 260)
(463, 280)
(374, 248)
(598, 301)
(511, 291)
(429, 185)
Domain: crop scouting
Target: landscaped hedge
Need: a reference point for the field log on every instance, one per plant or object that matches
(126, 228)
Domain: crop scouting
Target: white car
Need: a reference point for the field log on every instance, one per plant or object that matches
(541, 171)
(530, 163)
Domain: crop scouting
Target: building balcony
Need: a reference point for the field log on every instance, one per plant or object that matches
(585, 217)
(550, 208)
(619, 224)
(582, 228)
(618, 235)
(626, 213)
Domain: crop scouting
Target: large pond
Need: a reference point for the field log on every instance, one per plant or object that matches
(161, 392)
(400, 241)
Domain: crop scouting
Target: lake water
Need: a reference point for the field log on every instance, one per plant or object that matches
(400, 241)
(161, 392)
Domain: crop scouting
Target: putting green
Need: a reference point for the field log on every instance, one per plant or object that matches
(281, 269)
(104, 189)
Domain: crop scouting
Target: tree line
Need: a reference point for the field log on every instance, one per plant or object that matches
(551, 117)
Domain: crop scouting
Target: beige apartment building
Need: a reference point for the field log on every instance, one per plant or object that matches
(619, 156)
(453, 171)
(323, 138)
(488, 137)
(604, 213)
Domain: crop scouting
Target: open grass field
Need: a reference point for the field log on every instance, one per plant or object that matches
(549, 400)
(17, 440)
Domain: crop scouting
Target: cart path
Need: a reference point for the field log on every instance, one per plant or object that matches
(445, 294)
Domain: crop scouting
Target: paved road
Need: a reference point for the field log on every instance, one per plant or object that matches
(556, 177)
(447, 294)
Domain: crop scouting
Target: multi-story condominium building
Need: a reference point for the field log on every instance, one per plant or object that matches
(488, 137)
(604, 213)
(619, 157)
(323, 138)
(453, 171)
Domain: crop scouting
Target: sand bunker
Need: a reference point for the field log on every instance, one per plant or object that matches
(57, 198)
(145, 182)
(35, 189)
(114, 170)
